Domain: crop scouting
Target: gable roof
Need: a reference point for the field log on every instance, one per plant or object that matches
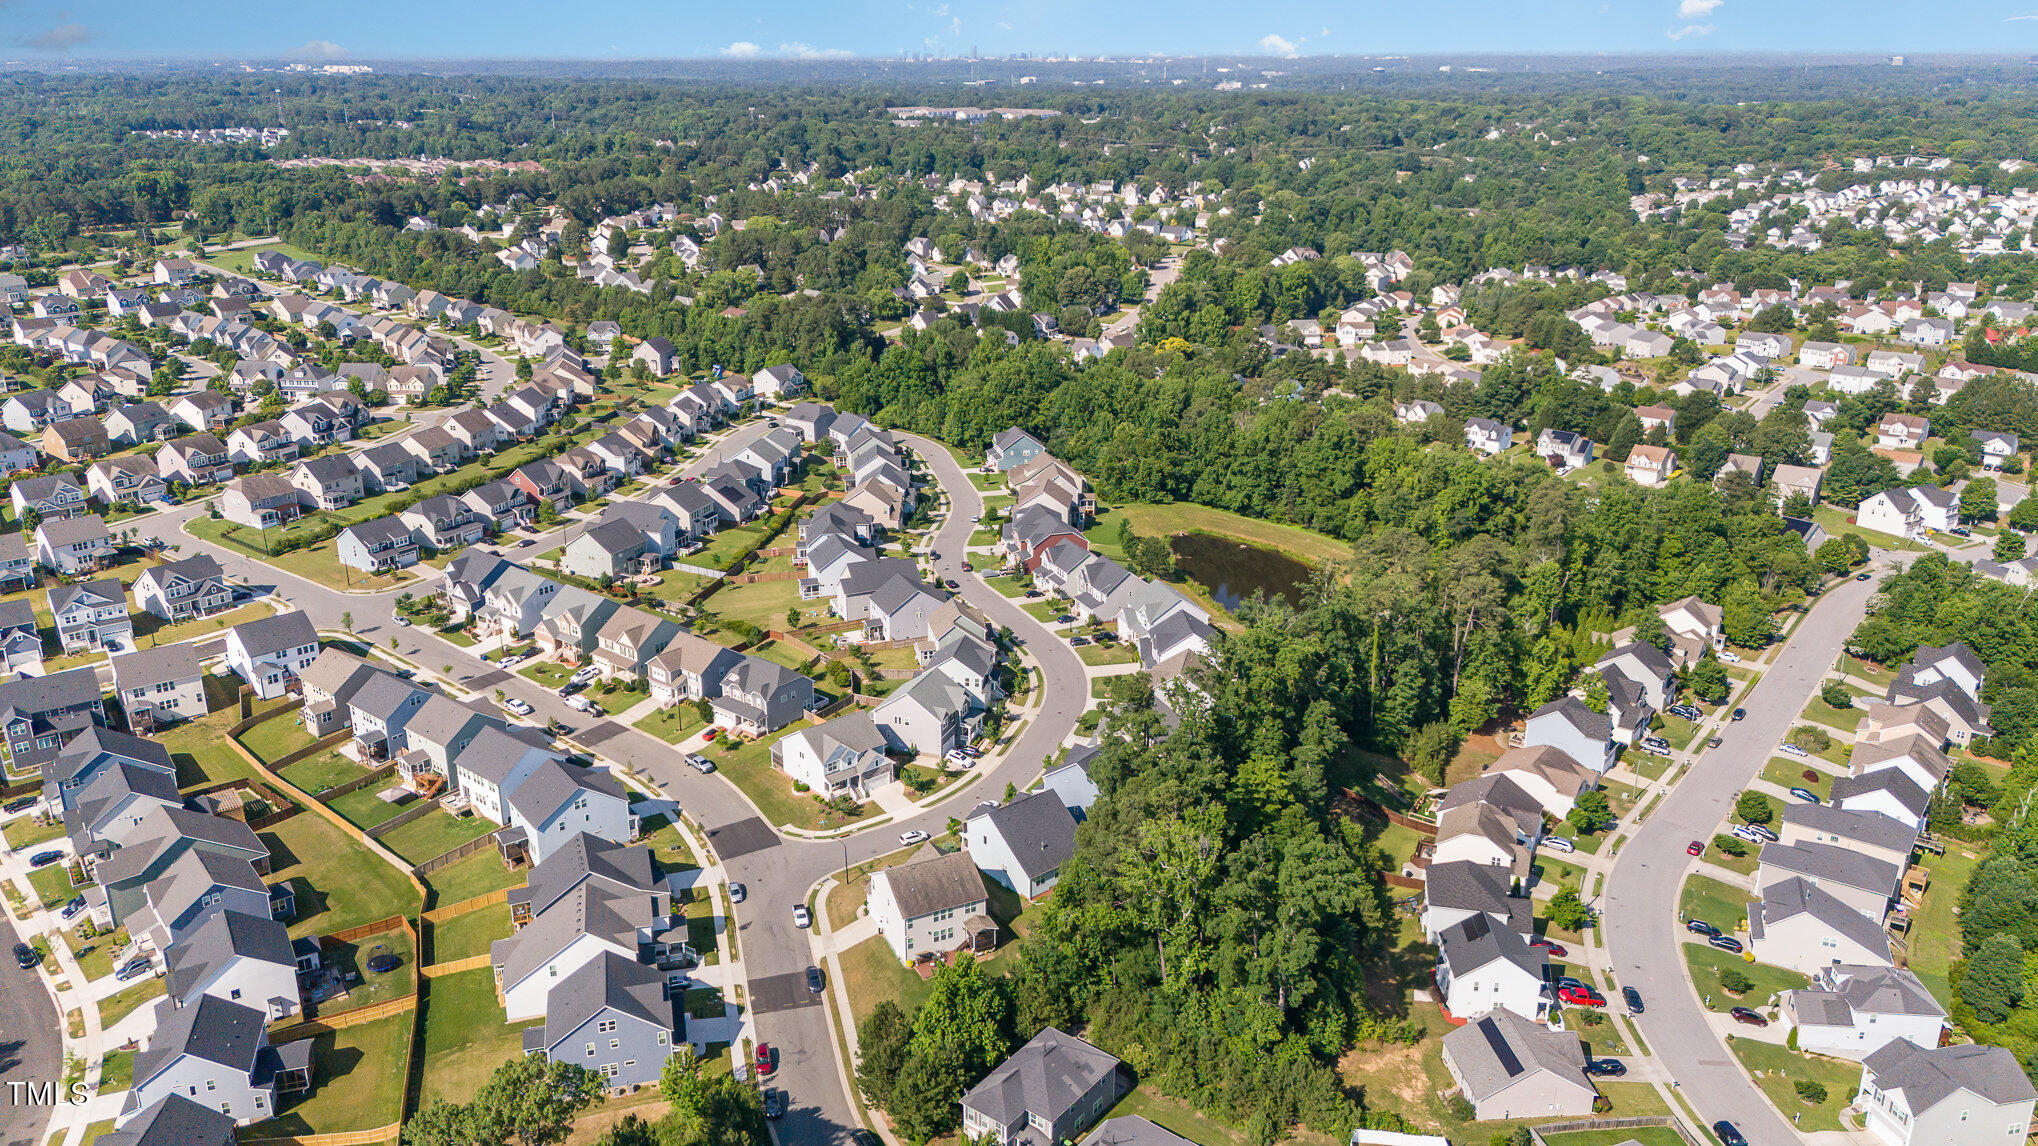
(213, 1029)
(1928, 1077)
(1045, 1078)
(1500, 1048)
(608, 982)
(266, 635)
(1037, 828)
(221, 939)
(1797, 896)
(931, 882)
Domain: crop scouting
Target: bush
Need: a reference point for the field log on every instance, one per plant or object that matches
(1733, 982)
(1813, 1093)
(1731, 845)
(1811, 738)
(1461, 1108)
(1836, 695)
(1754, 808)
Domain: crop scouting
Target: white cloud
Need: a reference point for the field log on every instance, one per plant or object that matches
(803, 51)
(1275, 45)
(1690, 30)
(61, 38)
(2020, 16)
(316, 50)
(742, 50)
(1697, 9)
(1004, 25)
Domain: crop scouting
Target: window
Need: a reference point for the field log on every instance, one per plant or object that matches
(615, 1044)
(590, 1050)
(605, 1026)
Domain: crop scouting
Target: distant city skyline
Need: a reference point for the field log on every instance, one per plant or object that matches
(342, 30)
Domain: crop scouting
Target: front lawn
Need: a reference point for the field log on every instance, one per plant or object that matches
(23, 833)
(749, 768)
(871, 974)
(761, 603)
(1706, 964)
(1115, 653)
(1777, 1071)
(357, 1082)
(548, 673)
(1789, 772)
(1720, 904)
(53, 885)
(116, 1007)
(466, 1035)
(674, 724)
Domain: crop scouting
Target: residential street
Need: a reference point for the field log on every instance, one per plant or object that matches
(29, 1050)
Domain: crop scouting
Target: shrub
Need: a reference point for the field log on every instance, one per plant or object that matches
(1754, 808)
(1836, 695)
(1813, 1093)
(1733, 982)
(1811, 738)
(1731, 845)
(1809, 775)
(1461, 1108)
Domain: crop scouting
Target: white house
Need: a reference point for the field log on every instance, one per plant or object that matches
(1851, 1011)
(1909, 511)
(558, 801)
(1798, 925)
(1568, 725)
(270, 653)
(1918, 1096)
(1023, 842)
(930, 905)
(1481, 967)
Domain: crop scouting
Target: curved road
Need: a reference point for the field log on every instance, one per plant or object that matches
(778, 870)
(1644, 939)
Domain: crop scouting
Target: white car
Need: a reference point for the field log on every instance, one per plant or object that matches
(1744, 832)
(580, 703)
(957, 757)
(1559, 844)
(517, 706)
(513, 660)
(401, 621)
(585, 675)
(908, 839)
(1730, 656)
(801, 917)
(1791, 750)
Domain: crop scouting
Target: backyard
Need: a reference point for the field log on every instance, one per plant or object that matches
(357, 1082)
(339, 883)
(466, 1035)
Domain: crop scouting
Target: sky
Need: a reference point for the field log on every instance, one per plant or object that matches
(342, 30)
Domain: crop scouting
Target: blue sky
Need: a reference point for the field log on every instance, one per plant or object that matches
(643, 29)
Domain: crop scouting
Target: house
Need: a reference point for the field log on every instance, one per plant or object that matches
(172, 1121)
(261, 443)
(1481, 967)
(657, 354)
(20, 639)
(55, 495)
(77, 439)
(92, 616)
(74, 545)
(559, 801)
(1792, 480)
(444, 522)
(931, 714)
(386, 468)
(1916, 755)
(435, 449)
(614, 548)
(1694, 627)
(1902, 431)
(1507, 1066)
(1800, 925)
(139, 423)
(1049, 1090)
(1852, 1010)
(1886, 792)
(272, 653)
(245, 959)
(845, 756)
(1910, 511)
(215, 1051)
(205, 410)
(757, 696)
(1490, 820)
(1011, 448)
(1862, 883)
(199, 459)
(1023, 842)
(1486, 436)
(1651, 465)
(261, 501)
(501, 504)
(161, 685)
(1417, 412)
(1877, 836)
(931, 905)
(1916, 1096)
(32, 411)
(491, 768)
(377, 546)
(628, 641)
(1647, 667)
(40, 715)
(613, 1016)
(1567, 725)
(582, 926)
(1564, 450)
(778, 382)
(184, 589)
(1547, 775)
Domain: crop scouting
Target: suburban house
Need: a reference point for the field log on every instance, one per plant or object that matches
(558, 801)
(272, 653)
(444, 522)
(1023, 842)
(215, 1051)
(38, 715)
(845, 756)
(54, 495)
(245, 959)
(1569, 726)
(261, 501)
(172, 1121)
(1460, 889)
(130, 480)
(931, 905)
(20, 638)
(1851, 1011)
(1049, 1090)
(612, 549)
(1650, 465)
(1799, 925)
(1481, 967)
(1548, 775)
(73, 545)
(377, 546)
(1919, 1096)
(1012, 448)
(92, 616)
(158, 686)
(1507, 1066)
(184, 589)
(1486, 436)
(1909, 511)
(613, 1016)
(1865, 884)
(1564, 450)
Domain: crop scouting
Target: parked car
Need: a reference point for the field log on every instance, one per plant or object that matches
(1685, 711)
(957, 757)
(518, 706)
(1749, 1016)
(1633, 999)
(916, 836)
(1725, 943)
(513, 660)
(1740, 714)
(584, 676)
(1792, 750)
(25, 957)
(1567, 982)
(1700, 927)
(699, 763)
(1729, 656)
(952, 583)
(738, 893)
(72, 908)
(134, 968)
(767, 1059)
(44, 859)
(569, 688)
(814, 981)
(22, 804)
(400, 621)
(1559, 844)
(1607, 1067)
(1555, 948)
(1582, 997)
(1030, 593)
(1712, 742)
(801, 916)
(580, 703)
(774, 1102)
(1864, 576)
(1695, 848)
(1745, 832)
(1078, 642)
(1728, 1134)
(1763, 833)
(1807, 795)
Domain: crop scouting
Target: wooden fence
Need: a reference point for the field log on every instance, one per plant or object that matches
(1426, 827)
(374, 1012)
(379, 927)
(452, 910)
(289, 706)
(1638, 1123)
(417, 811)
(455, 855)
(471, 963)
(755, 578)
(358, 782)
(323, 744)
(338, 1138)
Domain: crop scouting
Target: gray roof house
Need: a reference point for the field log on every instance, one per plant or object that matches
(1862, 883)
(1800, 925)
(1511, 1067)
(611, 1016)
(1917, 1096)
(173, 1121)
(1022, 843)
(1851, 1011)
(245, 959)
(217, 1050)
(1046, 1093)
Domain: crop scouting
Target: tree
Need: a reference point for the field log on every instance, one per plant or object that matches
(1734, 981)
(1994, 982)
(1747, 619)
(1708, 680)
(924, 1098)
(1810, 737)
(969, 1011)
(1590, 813)
(681, 1082)
(1567, 911)
(1754, 808)
(882, 1041)
(1978, 500)
(2010, 546)
(347, 621)
(1836, 695)
(529, 1100)
(1810, 1091)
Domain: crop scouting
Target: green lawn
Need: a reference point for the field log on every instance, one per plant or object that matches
(272, 740)
(52, 884)
(1777, 1070)
(1045, 609)
(763, 603)
(1115, 653)
(150, 632)
(23, 832)
(202, 754)
(674, 724)
(1845, 719)
(433, 834)
(872, 975)
(363, 808)
(1183, 517)
(1720, 904)
(316, 563)
(1788, 772)
(116, 1071)
(1706, 964)
(477, 874)
(548, 673)
(116, 1007)
(749, 768)
(469, 934)
(357, 1082)
(1935, 927)
(1641, 1136)
(326, 770)
(94, 955)
(466, 1035)
(1745, 863)
(339, 883)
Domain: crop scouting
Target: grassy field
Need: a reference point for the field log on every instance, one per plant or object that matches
(872, 975)
(1935, 927)
(1641, 1136)
(242, 261)
(1788, 772)
(339, 883)
(325, 770)
(674, 724)
(22, 832)
(469, 934)
(466, 1034)
(763, 603)
(433, 834)
(357, 1082)
(272, 740)
(150, 632)
(315, 563)
(116, 1007)
(1182, 517)
(1706, 964)
(1720, 904)
(1777, 1069)
(202, 755)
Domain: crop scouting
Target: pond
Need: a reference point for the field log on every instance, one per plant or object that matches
(1234, 571)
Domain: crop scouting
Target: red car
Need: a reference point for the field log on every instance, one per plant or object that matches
(766, 1061)
(1555, 949)
(1582, 997)
(1697, 848)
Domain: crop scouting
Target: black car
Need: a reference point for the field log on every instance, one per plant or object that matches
(1700, 927)
(1725, 943)
(25, 957)
(1728, 1134)
(814, 981)
(774, 1102)
(1609, 1067)
(862, 1137)
(22, 804)
(1863, 576)
(1563, 981)
(135, 969)
(44, 859)
(1740, 713)
(1633, 999)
